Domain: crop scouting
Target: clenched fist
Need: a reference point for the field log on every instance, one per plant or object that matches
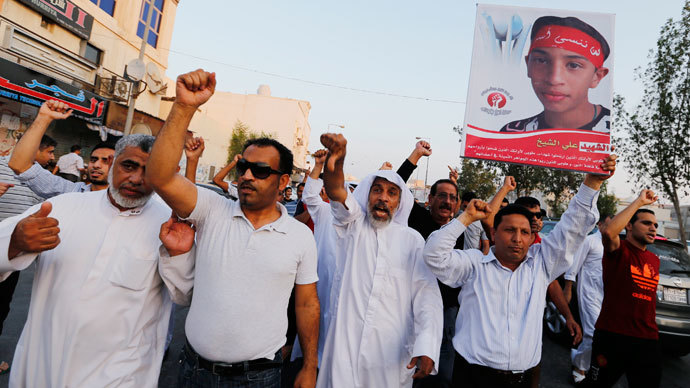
(35, 233)
(337, 148)
(195, 88)
(476, 210)
(55, 110)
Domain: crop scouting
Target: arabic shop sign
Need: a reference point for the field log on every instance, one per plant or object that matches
(31, 87)
(64, 13)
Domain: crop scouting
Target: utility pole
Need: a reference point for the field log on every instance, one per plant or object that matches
(142, 51)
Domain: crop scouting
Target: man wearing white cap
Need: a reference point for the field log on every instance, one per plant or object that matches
(387, 316)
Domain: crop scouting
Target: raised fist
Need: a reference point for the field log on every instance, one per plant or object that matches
(509, 183)
(55, 110)
(35, 233)
(453, 174)
(195, 88)
(337, 148)
(476, 210)
(194, 147)
(320, 156)
(647, 197)
(386, 166)
(423, 148)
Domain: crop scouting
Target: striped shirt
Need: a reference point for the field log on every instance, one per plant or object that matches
(47, 185)
(18, 198)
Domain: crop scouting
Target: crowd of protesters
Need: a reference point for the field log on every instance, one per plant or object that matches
(377, 289)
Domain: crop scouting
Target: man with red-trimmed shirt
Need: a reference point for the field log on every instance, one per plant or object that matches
(626, 338)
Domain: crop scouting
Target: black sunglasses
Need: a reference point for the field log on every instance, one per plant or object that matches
(537, 215)
(259, 170)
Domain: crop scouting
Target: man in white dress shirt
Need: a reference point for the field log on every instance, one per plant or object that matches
(250, 255)
(387, 318)
(498, 330)
(99, 306)
(586, 269)
(70, 166)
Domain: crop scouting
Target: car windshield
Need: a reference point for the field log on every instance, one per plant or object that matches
(673, 259)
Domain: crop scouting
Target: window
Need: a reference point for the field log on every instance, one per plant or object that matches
(107, 5)
(156, 17)
(92, 54)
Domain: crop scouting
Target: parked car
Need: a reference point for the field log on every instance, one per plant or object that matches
(212, 187)
(672, 305)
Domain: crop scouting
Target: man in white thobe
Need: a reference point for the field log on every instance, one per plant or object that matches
(388, 315)
(99, 306)
(320, 212)
(587, 270)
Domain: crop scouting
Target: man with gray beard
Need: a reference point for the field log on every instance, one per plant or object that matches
(387, 315)
(103, 284)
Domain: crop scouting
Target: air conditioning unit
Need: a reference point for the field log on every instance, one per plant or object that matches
(113, 88)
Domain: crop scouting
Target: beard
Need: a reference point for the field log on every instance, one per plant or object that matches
(379, 223)
(121, 200)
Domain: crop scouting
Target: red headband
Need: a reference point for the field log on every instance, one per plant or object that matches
(570, 39)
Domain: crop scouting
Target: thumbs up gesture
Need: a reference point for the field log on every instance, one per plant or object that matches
(35, 233)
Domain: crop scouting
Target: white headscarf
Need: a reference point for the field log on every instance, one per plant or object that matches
(361, 194)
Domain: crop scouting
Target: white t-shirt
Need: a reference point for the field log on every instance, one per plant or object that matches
(243, 279)
(70, 164)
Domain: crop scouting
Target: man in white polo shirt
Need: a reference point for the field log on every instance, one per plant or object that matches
(250, 255)
(70, 166)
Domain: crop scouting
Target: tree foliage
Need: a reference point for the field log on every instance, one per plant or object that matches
(240, 134)
(478, 177)
(607, 203)
(656, 141)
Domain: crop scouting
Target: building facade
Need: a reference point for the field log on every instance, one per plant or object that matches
(77, 51)
(284, 119)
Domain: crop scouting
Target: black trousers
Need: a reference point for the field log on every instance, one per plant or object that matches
(615, 354)
(6, 291)
(466, 375)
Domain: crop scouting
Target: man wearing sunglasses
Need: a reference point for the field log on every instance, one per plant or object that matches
(250, 255)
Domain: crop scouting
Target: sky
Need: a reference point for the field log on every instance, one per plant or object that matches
(394, 48)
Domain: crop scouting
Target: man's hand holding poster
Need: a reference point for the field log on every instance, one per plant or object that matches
(540, 88)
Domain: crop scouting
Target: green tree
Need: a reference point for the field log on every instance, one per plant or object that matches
(240, 134)
(607, 203)
(478, 177)
(656, 145)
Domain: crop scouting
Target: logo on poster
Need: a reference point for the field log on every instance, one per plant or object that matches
(497, 100)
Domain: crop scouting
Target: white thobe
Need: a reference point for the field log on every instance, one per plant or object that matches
(324, 234)
(99, 312)
(590, 293)
(389, 307)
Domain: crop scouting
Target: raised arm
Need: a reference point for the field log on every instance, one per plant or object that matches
(193, 149)
(333, 175)
(192, 90)
(453, 266)
(219, 179)
(509, 185)
(558, 249)
(25, 150)
(422, 148)
(610, 234)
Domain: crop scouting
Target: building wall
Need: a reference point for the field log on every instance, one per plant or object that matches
(114, 35)
(287, 120)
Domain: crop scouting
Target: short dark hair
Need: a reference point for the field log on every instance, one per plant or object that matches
(440, 182)
(287, 188)
(506, 201)
(468, 196)
(574, 23)
(635, 216)
(603, 217)
(512, 209)
(104, 144)
(527, 202)
(285, 163)
(301, 184)
(543, 212)
(75, 147)
(47, 141)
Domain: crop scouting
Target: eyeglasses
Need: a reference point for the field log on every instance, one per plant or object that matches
(444, 196)
(537, 215)
(259, 170)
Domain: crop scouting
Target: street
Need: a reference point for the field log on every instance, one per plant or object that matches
(554, 371)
